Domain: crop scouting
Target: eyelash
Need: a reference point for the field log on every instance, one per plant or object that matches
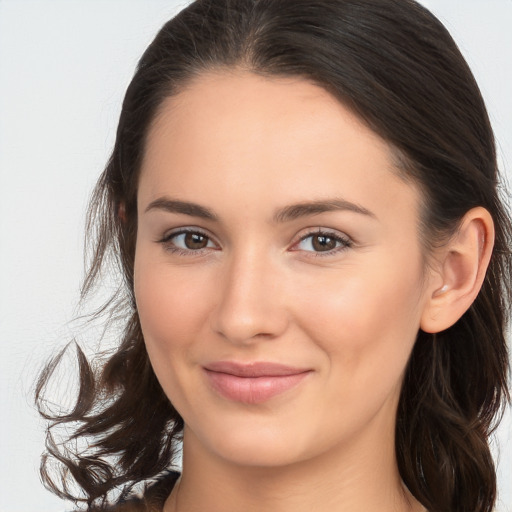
(166, 241)
(343, 241)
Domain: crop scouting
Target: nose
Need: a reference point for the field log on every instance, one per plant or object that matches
(251, 304)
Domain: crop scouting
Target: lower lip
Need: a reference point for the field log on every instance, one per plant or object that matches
(252, 390)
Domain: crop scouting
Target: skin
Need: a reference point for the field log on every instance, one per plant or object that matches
(245, 147)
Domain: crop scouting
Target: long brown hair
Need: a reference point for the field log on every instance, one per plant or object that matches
(395, 65)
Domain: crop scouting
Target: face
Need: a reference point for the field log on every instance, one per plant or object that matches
(278, 270)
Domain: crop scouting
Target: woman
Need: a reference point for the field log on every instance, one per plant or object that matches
(303, 201)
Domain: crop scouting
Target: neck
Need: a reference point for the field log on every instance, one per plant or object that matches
(344, 479)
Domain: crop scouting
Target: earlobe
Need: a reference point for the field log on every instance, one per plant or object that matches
(463, 262)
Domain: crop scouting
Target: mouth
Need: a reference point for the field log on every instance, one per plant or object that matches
(252, 383)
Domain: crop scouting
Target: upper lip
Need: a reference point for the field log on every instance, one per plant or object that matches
(254, 369)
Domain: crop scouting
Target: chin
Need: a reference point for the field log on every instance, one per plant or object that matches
(246, 445)
(260, 454)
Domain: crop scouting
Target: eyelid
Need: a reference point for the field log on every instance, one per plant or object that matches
(342, 238)
(345, 240)
(185, 229)
(165, 240)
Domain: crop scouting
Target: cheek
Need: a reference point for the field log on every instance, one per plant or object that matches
(365, 319)
(172, 304)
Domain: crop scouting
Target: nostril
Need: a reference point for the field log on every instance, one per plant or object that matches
(250, 304)
(243, 322)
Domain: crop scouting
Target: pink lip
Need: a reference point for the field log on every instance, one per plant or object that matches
(252, 383)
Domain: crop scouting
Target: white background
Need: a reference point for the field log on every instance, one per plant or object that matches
(64, 66)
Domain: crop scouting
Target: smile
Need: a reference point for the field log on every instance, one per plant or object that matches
(253, 383)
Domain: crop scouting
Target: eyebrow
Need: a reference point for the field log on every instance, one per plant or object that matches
(286, 214)
(305, 209)
(183, 207)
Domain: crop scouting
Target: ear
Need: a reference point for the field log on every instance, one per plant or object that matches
(460, 271)
(121, 212)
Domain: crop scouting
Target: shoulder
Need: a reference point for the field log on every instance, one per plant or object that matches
(152, 501)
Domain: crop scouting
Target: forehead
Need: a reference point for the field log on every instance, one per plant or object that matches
(240, 109)
(272, 140)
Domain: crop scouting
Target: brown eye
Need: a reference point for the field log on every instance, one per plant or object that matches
(323, 243)
(195, 241)
(187, 242)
